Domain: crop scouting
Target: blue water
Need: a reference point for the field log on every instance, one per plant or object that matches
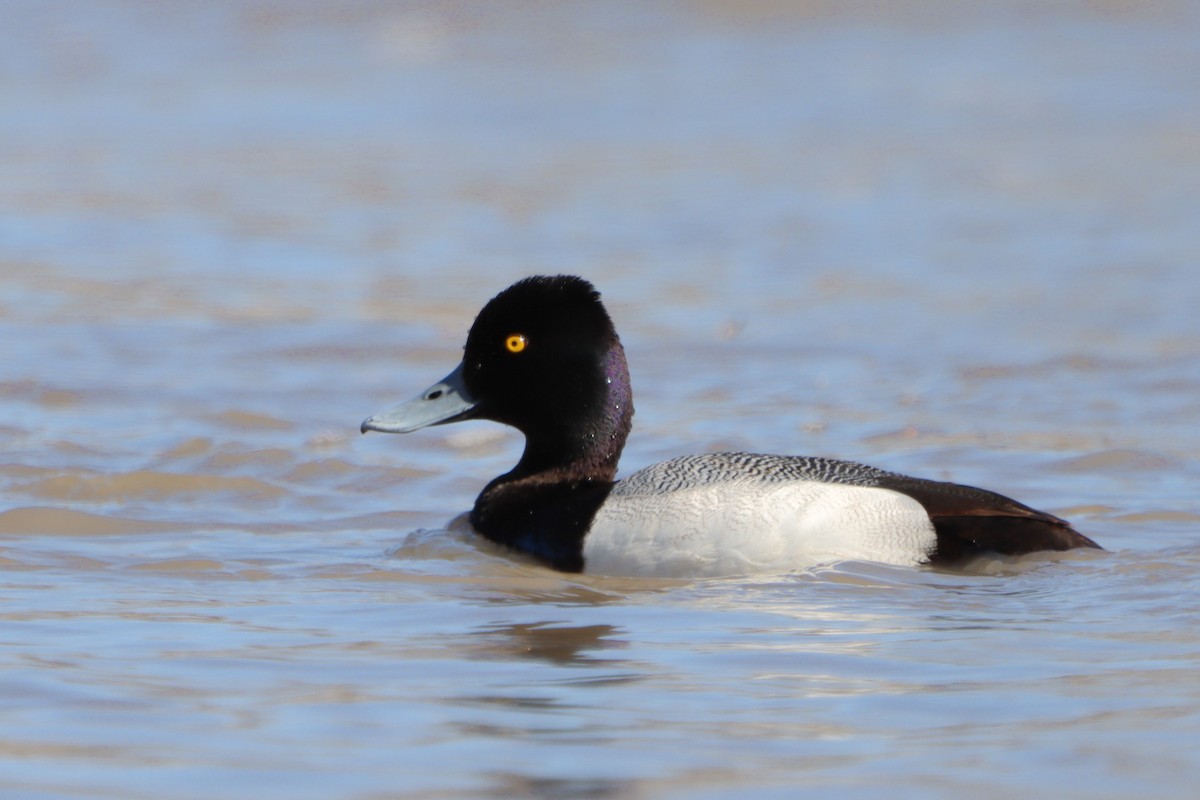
(954, 241)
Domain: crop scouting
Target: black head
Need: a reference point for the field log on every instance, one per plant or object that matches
(543, 357)
(540, 353)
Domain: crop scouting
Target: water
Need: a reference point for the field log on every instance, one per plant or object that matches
(952, 241)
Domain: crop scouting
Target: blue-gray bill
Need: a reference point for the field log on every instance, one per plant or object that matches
(445, 401)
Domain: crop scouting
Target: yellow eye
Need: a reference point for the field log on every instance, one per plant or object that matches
(516, 343)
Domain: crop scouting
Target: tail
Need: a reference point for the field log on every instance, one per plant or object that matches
(964, 537)
(971, 522)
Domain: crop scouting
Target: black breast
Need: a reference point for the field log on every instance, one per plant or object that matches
(545, 519)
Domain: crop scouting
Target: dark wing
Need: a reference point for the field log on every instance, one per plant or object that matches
(970, 521)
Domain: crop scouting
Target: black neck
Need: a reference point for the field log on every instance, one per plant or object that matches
(586, 445)
(545, 505)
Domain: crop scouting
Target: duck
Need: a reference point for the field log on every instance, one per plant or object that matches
(543, 357)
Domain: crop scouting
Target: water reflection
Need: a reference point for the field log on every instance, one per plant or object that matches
(552, 642)
(513, 784)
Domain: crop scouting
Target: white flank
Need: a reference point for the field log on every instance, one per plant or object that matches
(746, 526)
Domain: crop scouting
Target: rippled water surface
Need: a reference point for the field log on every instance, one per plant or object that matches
(953, 240)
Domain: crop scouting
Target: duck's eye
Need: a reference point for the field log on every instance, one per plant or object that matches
(516, 343)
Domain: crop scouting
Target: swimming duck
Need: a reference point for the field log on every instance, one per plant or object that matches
(543, 356)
